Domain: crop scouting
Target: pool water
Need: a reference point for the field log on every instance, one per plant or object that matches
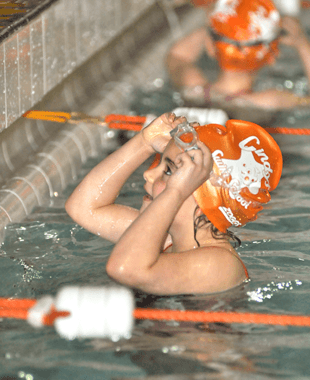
(47, 251)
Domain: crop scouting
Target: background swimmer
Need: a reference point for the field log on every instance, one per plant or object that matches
(178, 242)
(243, 36)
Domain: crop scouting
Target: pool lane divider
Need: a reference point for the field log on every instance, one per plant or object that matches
(109, 312)
(129, 122)
(288, 131)
(113, 121)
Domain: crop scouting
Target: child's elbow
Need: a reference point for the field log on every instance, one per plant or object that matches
(113, 271)
(118, 272)
(68, 206)
(72, 209)
(124, 275)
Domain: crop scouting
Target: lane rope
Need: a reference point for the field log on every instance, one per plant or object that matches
(129, 122)
(288, 131)
(19, 309)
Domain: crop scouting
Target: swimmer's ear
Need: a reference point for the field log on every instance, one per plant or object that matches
(198, 210)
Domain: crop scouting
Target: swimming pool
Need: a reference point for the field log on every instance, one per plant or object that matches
(47, 251)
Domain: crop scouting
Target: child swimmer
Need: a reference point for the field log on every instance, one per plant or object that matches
(178, 242)
(242, 36)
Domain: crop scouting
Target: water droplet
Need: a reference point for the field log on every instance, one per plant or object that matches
(110, 134)
(288, 84)
(158, 82)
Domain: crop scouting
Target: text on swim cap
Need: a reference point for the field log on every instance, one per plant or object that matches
(245, 171)
(261, 154)
(226, 211)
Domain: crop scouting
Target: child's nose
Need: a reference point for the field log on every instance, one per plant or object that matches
(148, 176)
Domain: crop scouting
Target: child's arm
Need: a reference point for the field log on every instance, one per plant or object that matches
(182, 57)
(273, 98)
(203, 270)
(92, 203)
(297, 38)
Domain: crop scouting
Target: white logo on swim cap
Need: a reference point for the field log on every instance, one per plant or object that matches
(229, 216)
(224, 9)
(245, 172)
(264, 26)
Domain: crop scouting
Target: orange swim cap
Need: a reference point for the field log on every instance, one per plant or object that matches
(245, 33)
(247, 166)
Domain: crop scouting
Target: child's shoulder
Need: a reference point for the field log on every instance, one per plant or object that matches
(223, 259)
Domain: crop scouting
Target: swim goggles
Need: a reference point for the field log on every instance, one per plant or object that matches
(218, 37)
(185, 136)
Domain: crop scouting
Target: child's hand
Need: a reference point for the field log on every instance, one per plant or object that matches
(157, 134)
(295, 34)
(193, 169)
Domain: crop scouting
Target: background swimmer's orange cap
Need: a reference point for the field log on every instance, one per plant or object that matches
(254, 23)
(247, 166)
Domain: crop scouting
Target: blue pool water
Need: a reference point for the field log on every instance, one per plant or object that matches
(48, 250)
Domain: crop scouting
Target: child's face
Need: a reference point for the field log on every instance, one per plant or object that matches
(248, 58)
(156, 178)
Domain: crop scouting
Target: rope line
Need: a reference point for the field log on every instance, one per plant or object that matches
(130, 122)
(222, 317)
(128, 118)
(13, 313)
(125, 127)
(50, 318)
(288, 131)
(58, 117)
(19, 309)
(11, 303)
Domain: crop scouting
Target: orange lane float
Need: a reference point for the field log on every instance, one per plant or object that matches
(129, 122)
(113, 121)
(20, 309)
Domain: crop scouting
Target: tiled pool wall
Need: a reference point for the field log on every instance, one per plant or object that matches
(40, 54)
(61, 60)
